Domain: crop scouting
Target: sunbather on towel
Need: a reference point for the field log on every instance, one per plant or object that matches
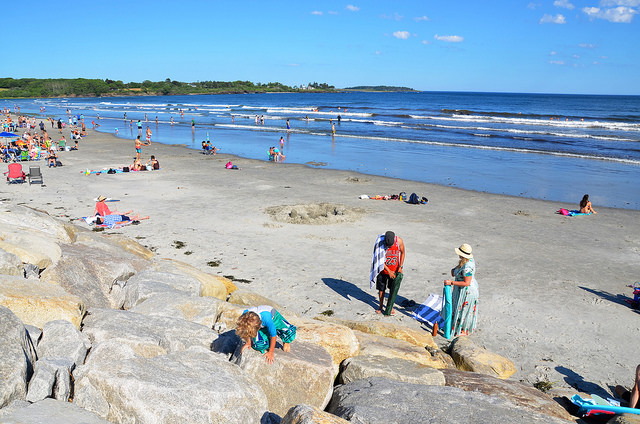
(585, 205)
(113, 220)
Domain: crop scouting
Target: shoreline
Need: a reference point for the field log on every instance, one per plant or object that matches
(549, 285)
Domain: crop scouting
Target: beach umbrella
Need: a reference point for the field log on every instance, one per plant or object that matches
(7, 134)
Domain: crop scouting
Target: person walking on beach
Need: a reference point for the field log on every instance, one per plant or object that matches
(465, 293)
(386, 268)
(193, 124)
(139, 145)
(288, 126)
(148, 134)
(585, 205)
(139, 127)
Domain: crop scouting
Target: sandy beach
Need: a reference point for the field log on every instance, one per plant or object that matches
(552, 288)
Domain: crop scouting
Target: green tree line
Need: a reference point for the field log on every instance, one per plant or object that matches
(82, 87)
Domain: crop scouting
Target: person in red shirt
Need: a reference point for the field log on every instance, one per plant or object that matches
(392, 265)
(103, 210)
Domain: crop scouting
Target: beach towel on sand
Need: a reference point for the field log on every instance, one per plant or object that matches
(574, 212)
(429, 311)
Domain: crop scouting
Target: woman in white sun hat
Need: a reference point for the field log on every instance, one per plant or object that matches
(465, 293)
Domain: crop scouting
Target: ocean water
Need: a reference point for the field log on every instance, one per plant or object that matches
(555, 147)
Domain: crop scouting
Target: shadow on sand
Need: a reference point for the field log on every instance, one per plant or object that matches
(576, 381)
(350, 291)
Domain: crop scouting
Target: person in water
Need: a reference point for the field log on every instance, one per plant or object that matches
(585, 205)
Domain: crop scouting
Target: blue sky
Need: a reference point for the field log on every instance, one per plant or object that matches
(546, 46)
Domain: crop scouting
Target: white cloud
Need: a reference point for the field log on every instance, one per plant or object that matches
(352, 8)
(425, 42)
(316, 12)
(403, 35)
(620, 14)
(395, 17)
(553, 53)
(421, 18)
(575, 56)
(333, 12)
(564, 3)
(449, 38)
(556, 62)
(293, 64)
(613, 3)
(587, 46)
(549, 19)
(533, 6)
(378, 52)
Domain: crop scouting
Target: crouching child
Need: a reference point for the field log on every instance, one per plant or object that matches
(259, 326)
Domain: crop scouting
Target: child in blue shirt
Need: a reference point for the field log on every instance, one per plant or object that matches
(259, 326)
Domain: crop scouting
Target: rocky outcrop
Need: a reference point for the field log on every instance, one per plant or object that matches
(305, 414)
(248, 298)
(17, 358)
(211, 285)
(20, 217)
(148, 336)
(362, 367)
(90, 270)
(10, 264)
(147, 284)
(32, 247)
(303, 375)
(187, 387)
(514, 391)
(379, 400)
(50, 411)
(52, 378)
(372, 345)
(336, 339)
(200, 310)
(61, 339)
(36, 302)
(386, 329)
(470, 357)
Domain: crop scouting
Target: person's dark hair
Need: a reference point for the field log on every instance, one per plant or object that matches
(584, 201)
(389, 238)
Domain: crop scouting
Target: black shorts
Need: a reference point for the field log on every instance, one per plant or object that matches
(383, 282)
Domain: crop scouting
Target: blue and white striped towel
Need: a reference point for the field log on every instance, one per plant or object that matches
(429, 311)
(379, 256)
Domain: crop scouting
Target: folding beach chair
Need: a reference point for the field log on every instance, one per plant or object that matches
(15, 174)
(35, 174)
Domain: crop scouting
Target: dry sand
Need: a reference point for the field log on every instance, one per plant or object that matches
(551, 287)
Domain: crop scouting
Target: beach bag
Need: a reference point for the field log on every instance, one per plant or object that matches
(111, 171)
(229, 165)
(413, 199)
(563, 211)
(125, 169)
(403, 196)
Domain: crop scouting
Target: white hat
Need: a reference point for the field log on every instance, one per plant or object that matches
(464, 251)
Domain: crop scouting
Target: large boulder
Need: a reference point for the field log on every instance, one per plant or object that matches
(201, 310)
(149, 283)
(387, 329)
(51, 379)
(372, 345)
(31, 246)
(129, 245)
(303, 375)
(90, 270)
(248, 298)
(36, 302)
(305, 414)
(513, 391)
(336, 339)
(211, 285)
(10, 264)
(362, 367)
(51, 411)
(17, 358)
(625, 419)
(470, 357)
(61, 339)
(193, 386)
(21, 217)
(148, 336)
(378, 400)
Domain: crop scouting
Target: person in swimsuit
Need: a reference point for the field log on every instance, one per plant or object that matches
(585, 205)
(139, 145)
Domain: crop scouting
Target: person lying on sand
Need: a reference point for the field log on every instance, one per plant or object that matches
(111, 220)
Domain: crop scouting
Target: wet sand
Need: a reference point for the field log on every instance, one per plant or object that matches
(552, 288)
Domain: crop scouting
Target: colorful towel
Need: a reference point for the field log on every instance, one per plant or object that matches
(429, 311)
(574, 212)
(379, 256)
